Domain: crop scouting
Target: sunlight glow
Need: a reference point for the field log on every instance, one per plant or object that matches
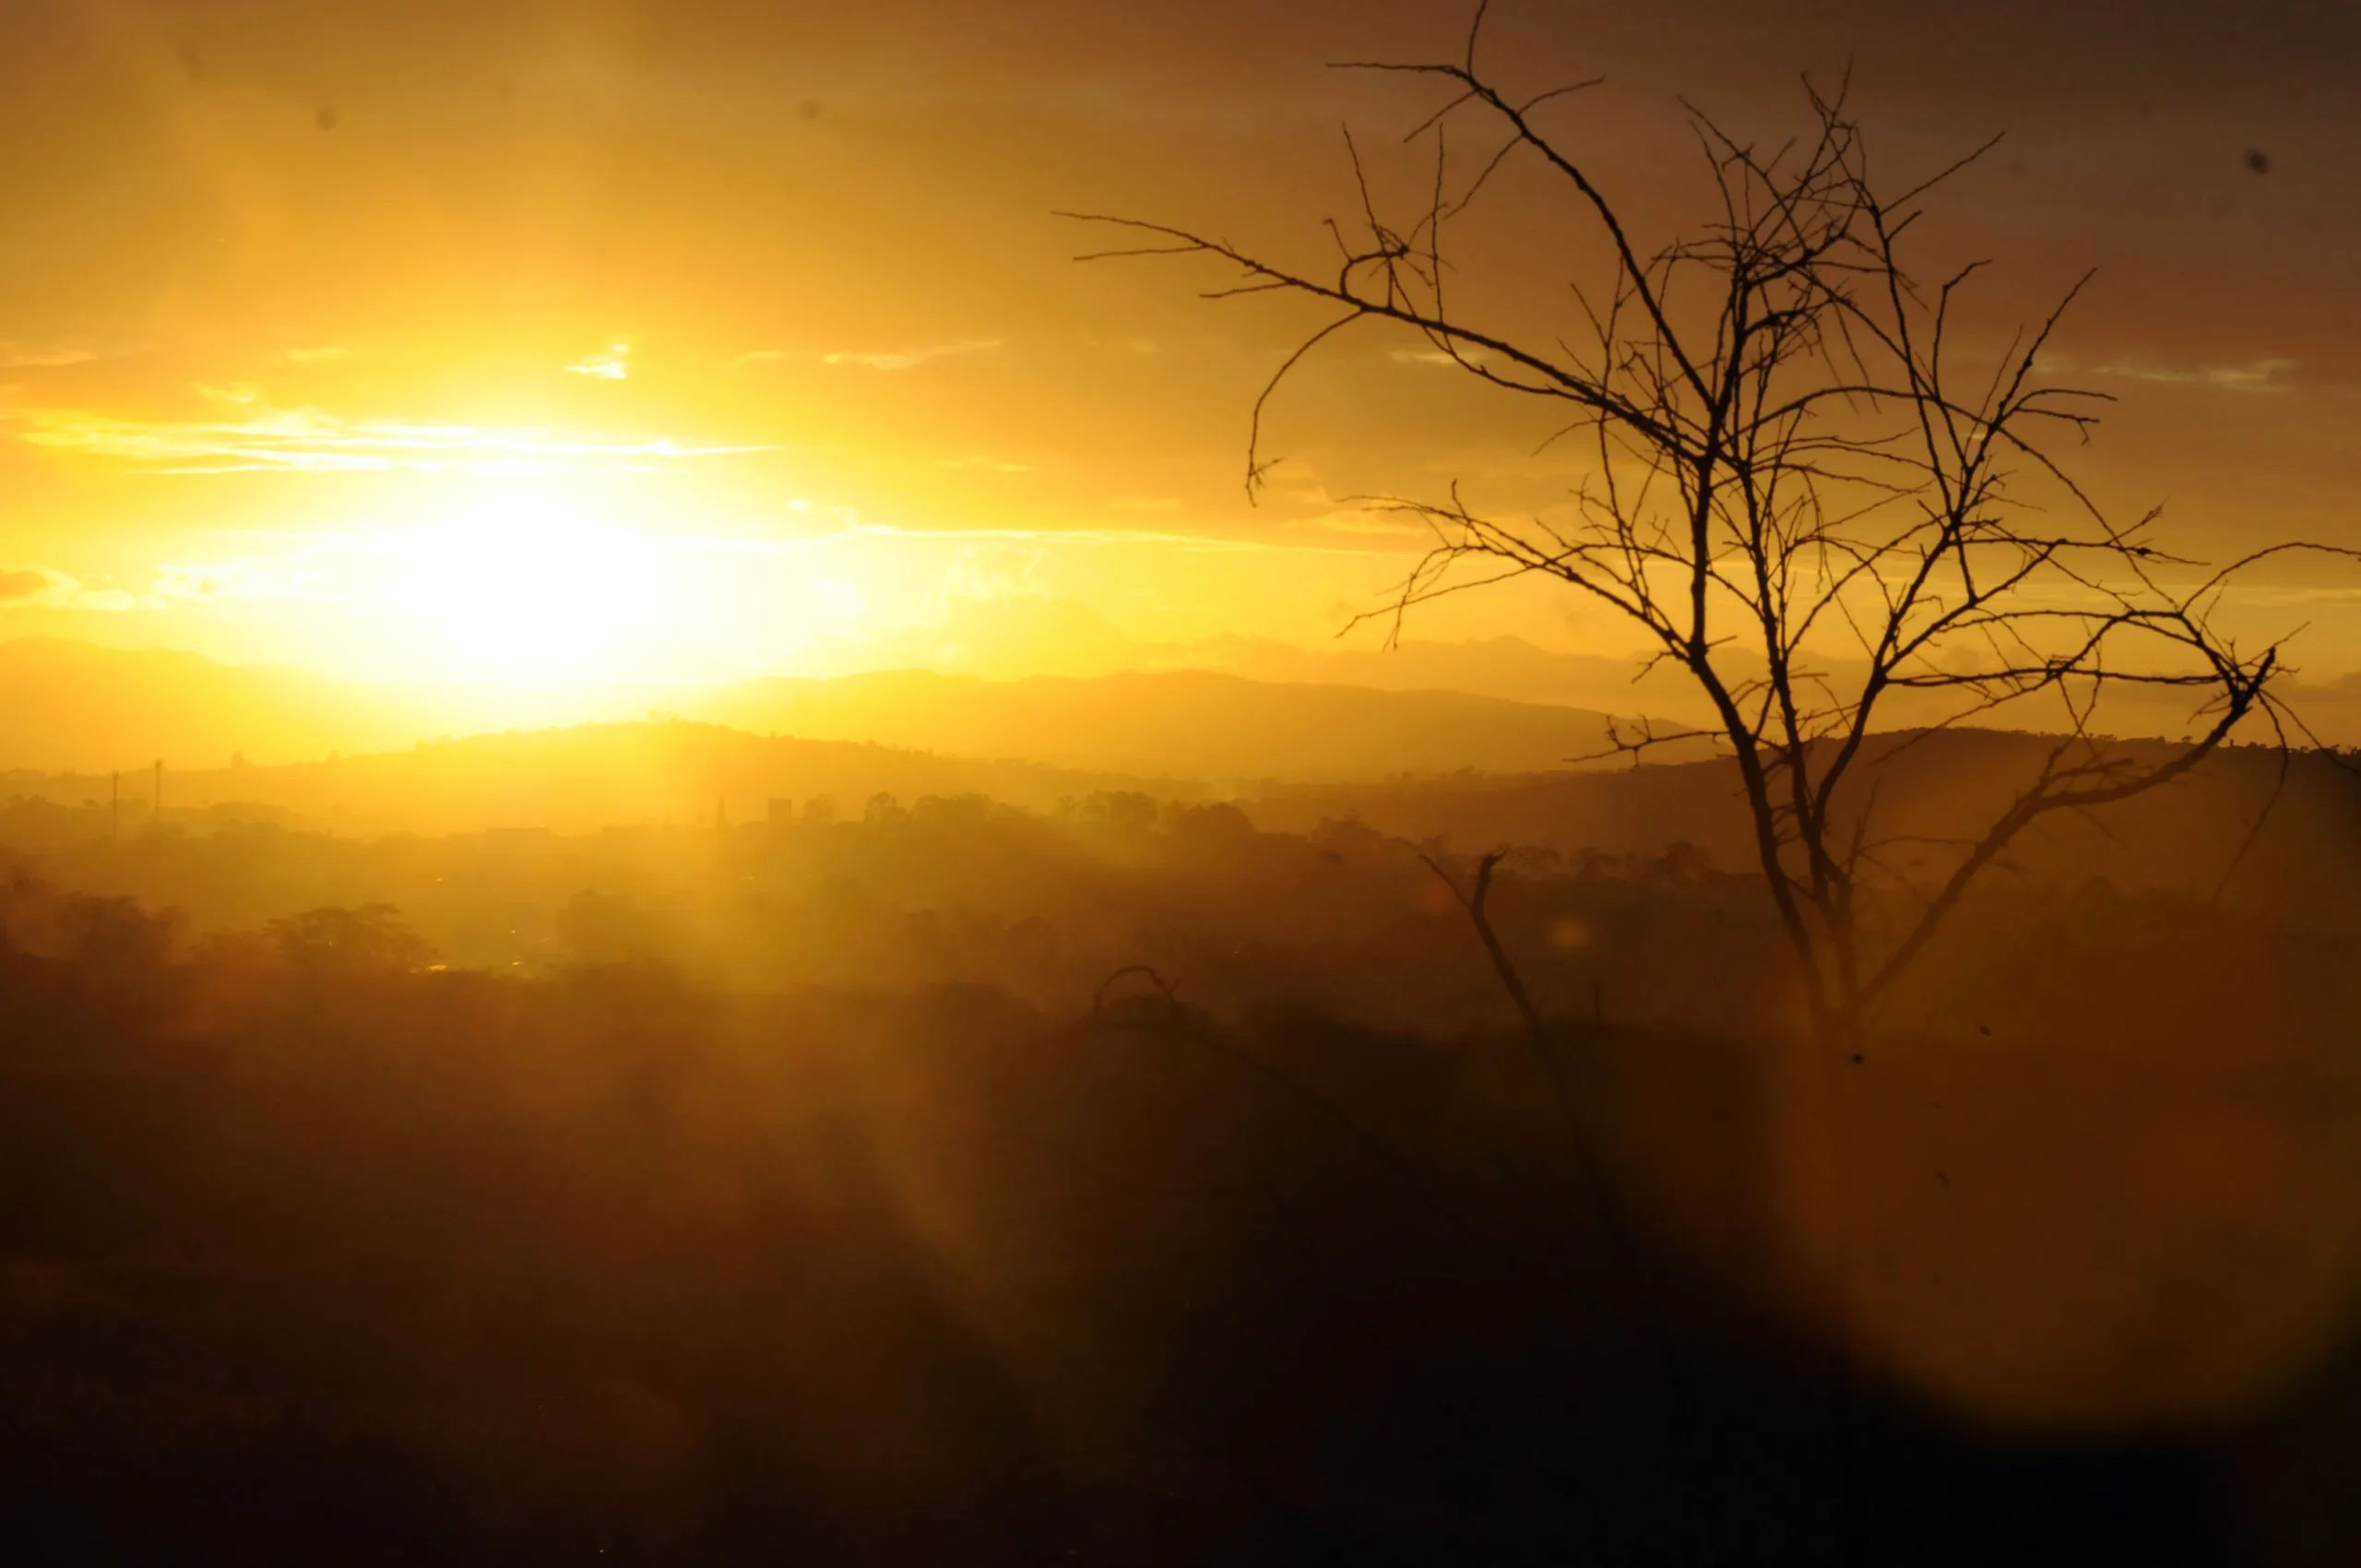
(529, 588)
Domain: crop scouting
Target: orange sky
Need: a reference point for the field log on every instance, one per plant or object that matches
(601, 342)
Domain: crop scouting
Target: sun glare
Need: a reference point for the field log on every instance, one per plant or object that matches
(530, 589)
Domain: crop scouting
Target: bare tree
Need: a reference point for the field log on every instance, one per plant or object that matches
(1806, 496)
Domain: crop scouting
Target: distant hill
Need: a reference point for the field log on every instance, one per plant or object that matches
(75, 707)
(70, 707)
(1184, 722)
(2197, 836)
(1941, 790)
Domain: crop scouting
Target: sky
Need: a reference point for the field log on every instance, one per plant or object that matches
(567, 347)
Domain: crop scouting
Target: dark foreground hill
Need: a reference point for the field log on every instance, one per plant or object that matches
(838, 1191)
(314, 1255)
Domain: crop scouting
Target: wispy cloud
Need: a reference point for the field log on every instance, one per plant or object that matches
(328, 355)
(986, 465)
(21, 584)
(46, 588)
(2258, 376)
(1435, 356)
(57, 353)
(758, 356)
(1111, 538)
(1363, 524)
(310, 441)
(111, 601)
(21, 357)
(285, 577)
(613, 365)
(916, 357)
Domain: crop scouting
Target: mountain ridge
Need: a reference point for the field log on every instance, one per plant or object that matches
(71, 706)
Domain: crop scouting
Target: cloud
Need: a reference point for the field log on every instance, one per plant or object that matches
(995, 571)
(2260, 376)
(112, 601)
(613, 365)
(914, 357)
(986, 465)
(1118, 538)
(46, 588)
(234, 580)
(310, 441)
(1365, 524)
(19, 356)
(21, 585)
(61, 353)
(1436, 356)
(758, 356)
(318, 356)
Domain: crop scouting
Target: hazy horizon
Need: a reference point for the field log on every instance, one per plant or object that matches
(1201, 712)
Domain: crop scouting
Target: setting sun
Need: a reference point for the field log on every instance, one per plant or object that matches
(526, 586)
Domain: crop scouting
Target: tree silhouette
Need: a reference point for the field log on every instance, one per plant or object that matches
(347, 943)
(1808, 497)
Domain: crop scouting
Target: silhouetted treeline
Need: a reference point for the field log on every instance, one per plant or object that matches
(794, 1190)
(884, 894)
